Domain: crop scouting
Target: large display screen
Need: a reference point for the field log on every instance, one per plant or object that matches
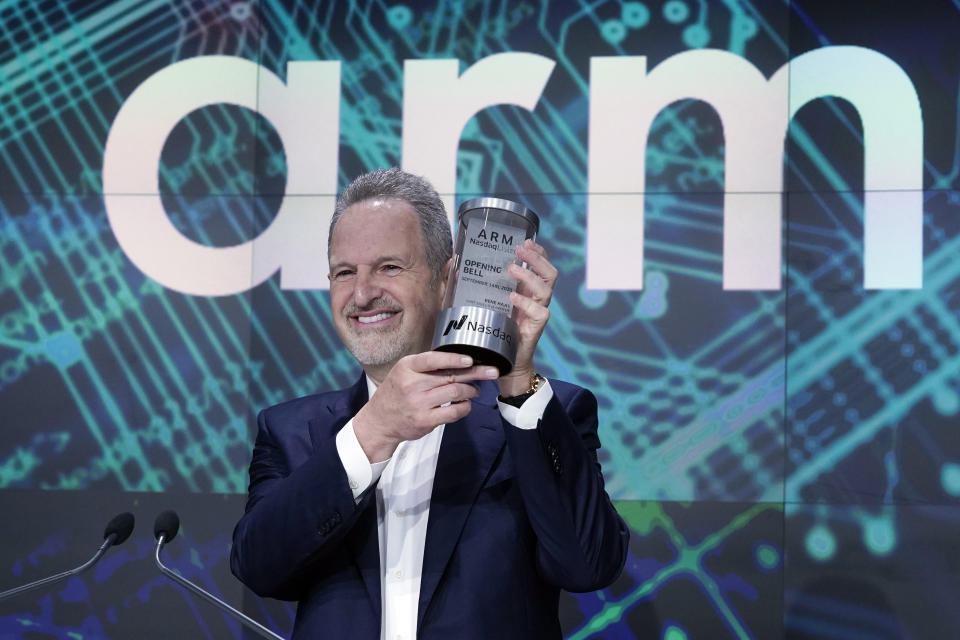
(755, 213)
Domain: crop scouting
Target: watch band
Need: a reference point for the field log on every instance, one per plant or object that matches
(536, 381)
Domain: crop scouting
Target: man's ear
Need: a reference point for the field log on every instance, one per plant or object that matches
(445, 276)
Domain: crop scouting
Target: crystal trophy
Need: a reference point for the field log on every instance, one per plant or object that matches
(478, 318)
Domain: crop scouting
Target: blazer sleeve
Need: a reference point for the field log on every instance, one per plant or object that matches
(299, 510)
(581, 539)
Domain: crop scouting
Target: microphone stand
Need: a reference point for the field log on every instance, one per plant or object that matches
(250, 623)
(107, 543)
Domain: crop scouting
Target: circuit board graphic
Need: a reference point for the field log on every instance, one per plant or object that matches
(786, 459)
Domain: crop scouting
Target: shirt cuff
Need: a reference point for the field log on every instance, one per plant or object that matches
(528, 415)
(360, 472)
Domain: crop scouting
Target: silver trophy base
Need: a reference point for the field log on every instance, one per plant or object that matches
(489, 337)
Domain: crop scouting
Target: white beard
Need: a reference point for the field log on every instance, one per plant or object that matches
(378, 347)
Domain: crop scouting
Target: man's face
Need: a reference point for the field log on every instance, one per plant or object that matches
(383, 306)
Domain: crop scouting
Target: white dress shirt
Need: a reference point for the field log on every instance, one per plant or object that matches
(403, 507)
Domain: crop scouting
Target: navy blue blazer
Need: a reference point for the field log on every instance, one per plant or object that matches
(515, 516)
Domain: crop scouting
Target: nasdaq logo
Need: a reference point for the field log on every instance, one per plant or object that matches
(455, 325)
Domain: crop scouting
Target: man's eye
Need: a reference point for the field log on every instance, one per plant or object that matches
(391, 269)
(343, 274)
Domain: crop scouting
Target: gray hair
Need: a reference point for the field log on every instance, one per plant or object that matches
(397, 184)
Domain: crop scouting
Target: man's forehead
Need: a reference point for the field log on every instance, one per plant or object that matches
(378, 212)
(376, 228)
(381, 201)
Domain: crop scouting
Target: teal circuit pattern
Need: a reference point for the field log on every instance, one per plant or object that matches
(787, 460)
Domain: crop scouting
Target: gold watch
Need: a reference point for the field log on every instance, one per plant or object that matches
(536, 381)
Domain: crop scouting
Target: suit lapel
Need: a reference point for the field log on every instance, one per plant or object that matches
(363, 540)
(467, 452)
(339, 408)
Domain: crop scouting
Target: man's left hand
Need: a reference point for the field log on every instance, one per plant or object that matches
(531, 300)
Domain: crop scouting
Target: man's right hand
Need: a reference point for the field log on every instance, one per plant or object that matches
(421, 391)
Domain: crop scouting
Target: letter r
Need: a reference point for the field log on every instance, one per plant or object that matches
(438, 102)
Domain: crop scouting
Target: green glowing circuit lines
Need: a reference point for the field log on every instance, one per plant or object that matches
(731, 371)
(818, 393)
(688, 564)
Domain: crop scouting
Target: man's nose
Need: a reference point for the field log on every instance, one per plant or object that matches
(367, 288)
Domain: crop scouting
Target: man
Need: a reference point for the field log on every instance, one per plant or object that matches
(427, 500)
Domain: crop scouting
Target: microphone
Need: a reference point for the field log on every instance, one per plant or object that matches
(117, 531)
(165, 529)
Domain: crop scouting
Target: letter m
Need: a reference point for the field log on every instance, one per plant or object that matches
(755, 113)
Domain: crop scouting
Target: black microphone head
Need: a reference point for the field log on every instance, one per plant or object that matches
(121, 526)
(168, 524)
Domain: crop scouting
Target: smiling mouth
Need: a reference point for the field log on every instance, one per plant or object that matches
(379, 317)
